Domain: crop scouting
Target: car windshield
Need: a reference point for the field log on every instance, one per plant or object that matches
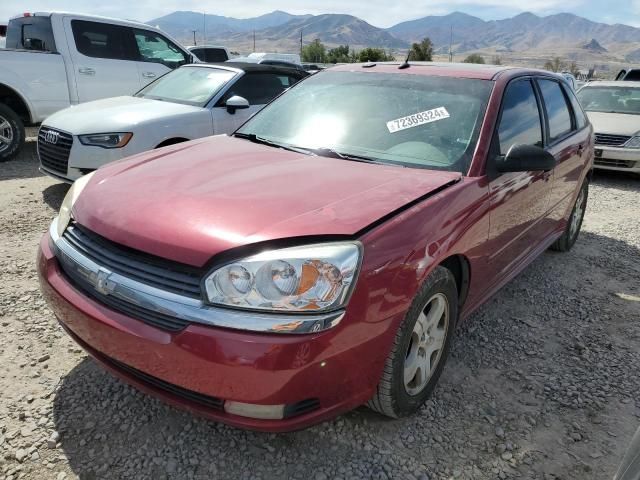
(406, 119)
(189, 85)
(610, 99)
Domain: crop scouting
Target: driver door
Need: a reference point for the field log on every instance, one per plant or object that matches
(157, 55)
(520, 200)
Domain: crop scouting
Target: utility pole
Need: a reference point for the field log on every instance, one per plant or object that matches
(194, 36)
(451, 46)
(204, 28)
(254, 41)
(301, 43)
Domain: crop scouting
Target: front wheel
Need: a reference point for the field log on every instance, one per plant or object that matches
(420, 348)
(572, 230)
(11, 133)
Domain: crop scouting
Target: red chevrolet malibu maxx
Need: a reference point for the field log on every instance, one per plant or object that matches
(321, 257)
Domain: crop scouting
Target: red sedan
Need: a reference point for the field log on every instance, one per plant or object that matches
(321, 257)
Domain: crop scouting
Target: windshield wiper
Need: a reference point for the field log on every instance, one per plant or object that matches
(331, 153)
(252, 137)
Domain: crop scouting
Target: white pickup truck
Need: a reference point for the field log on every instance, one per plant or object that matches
(54, 60)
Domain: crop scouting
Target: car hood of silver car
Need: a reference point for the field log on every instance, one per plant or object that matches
(118, 114)
(615, 123)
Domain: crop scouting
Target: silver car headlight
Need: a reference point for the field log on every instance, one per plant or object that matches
(64, 216)
(633, 142)
(106, 140)
(306, 279)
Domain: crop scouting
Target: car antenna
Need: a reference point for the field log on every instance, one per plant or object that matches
(406, 62)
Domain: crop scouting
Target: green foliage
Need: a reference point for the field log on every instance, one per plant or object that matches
(315, 52)
(422, 52)
(474, 58)
(339, 54)
(555, 65)
(374, 55)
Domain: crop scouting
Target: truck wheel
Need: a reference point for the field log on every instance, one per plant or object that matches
(11, 133)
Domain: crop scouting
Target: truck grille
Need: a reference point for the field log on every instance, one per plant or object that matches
(54, 147)
(611, 140)
(148, 269)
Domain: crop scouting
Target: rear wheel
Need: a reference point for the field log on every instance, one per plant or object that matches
(420, 348)
(11, 133)
(572, 230)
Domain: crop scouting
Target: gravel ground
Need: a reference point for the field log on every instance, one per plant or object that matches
(542, 382)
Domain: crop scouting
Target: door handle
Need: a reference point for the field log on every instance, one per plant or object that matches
(148, 75)
(86, 71)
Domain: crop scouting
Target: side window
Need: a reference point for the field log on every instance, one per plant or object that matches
(558, 112)
(581, 117)
(101, 40)
(31, 33)
(257, 88)
(157, 49)
(520, 120)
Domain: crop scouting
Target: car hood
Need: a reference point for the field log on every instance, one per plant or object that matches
(116, 114)
(614, 123)
(191, 201)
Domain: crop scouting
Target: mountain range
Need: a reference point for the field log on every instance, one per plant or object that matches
(574, 37)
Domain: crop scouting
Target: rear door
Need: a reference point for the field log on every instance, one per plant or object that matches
(103, 59)
(259, 88)
(520, 200)
(156, 55)
(568, 138)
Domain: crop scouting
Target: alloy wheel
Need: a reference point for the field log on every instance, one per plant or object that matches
(6, 134)
(426, 344)
(578, 213)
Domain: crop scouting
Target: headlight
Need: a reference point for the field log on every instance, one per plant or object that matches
(634, 142)
(106, 140)
(64, 217)
(311, 278)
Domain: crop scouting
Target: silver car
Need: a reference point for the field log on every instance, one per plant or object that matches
(614, 111)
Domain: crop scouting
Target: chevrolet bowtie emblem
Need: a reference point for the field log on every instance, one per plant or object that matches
(103, 284)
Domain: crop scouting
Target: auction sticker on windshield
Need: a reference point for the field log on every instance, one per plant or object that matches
(417, 119)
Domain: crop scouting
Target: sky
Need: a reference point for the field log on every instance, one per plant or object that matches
(381, 13)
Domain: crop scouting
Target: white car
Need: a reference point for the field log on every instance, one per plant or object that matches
(191, 102)
(614, 110)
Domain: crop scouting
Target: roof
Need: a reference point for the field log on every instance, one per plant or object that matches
(88, 16)
(463, 70)
(247, 67)
(615, 83)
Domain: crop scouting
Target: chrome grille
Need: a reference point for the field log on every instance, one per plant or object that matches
(54, 148)
(611, 140)
(607, 162)
(148, 269)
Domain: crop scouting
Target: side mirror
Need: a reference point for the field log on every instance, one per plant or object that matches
(525, 158)
(236, 103)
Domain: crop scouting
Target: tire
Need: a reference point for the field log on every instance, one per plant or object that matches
(572, 230)
(394, 396)
(11, 128)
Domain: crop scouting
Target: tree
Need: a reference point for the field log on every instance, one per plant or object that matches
(573, 68)
(422, 52)
(374, 55)
(554, 65)
(339, 54)
(474, 58)
(314, 52)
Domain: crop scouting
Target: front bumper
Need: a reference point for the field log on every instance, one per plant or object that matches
(619, 159)
(201, 365)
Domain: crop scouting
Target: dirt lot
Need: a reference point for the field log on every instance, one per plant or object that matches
(543, 382)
